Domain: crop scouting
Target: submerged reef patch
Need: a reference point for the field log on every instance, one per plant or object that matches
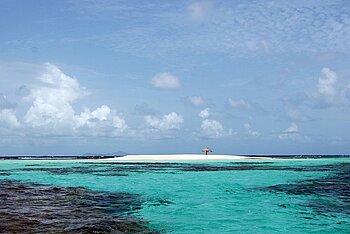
(5, 173)
(33, 208)
(193, 167)
(124, 168)
(330, 194)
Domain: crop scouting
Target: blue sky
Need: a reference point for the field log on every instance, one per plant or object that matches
(243, 77)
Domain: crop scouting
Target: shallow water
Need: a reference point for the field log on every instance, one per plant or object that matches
(247, 196)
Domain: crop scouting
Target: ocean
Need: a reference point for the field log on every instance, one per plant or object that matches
(291, 195)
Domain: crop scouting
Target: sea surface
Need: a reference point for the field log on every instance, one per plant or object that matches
(294, 195)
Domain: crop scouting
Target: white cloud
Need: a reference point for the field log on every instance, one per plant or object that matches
(119, 123)
(330, 92)
(212, 128)
(250, 130)
(291, 133)
(101, 113)
(245, 28)
(196, 101)
(296, 114)
(326, 85)
(8, 119)
(6, 104)
(100, 118)
(293, 128)
(165, 80)
(198, 10)
(204, 114)
(52, 112)
(52, 98)
(239, 104)
(167, 122)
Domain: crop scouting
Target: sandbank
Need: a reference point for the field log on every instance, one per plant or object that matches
(180, 157)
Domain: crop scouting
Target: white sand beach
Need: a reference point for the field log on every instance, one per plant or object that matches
(180, 157)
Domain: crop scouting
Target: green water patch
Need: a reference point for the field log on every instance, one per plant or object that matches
(34, 208)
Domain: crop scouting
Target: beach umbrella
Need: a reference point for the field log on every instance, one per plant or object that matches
(206, 150)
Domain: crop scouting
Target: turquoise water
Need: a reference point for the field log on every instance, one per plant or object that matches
(248, 196)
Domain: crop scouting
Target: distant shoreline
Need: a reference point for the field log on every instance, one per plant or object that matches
(53, 157)
(154, 157)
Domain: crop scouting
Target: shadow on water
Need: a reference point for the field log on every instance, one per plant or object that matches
(329, 194)
(34, 208)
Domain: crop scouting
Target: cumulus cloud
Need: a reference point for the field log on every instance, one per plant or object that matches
(196, 101)
(326, 91)
(167, 122)
(204, 114)
(330, 91)
(326, 84)
(5, 103)
(293, 128)
(212, 128)
(240, 104)
(165, 80)
(52, 109)
(52, 99)
(101, 118)
(8, 119)
(250, 130)
(290, 133)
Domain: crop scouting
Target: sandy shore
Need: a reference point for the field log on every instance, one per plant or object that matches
(180, 157)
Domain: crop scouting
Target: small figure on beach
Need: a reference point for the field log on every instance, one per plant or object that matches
(206, 150)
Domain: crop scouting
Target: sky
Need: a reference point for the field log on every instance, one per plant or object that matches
(155, 77)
